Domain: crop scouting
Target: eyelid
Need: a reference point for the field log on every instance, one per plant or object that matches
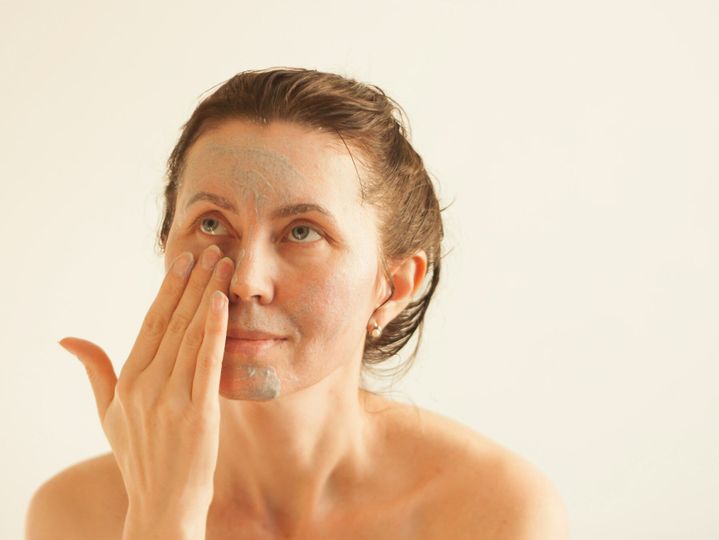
(297, 223)
(196, 223)
(309, 226)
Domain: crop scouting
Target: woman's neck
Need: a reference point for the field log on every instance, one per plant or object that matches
(288, 462)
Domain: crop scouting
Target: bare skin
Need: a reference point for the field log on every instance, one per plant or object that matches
(434, 479)
(304, 453)
(295, 437)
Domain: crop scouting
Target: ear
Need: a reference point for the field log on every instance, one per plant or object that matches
(407, 276)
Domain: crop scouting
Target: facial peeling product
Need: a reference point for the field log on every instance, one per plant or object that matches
(257, 383)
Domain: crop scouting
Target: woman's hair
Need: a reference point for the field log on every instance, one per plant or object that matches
(367, 121)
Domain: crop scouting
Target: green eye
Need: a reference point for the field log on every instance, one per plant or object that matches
(305, 231)
(214, 224)
(300, 233)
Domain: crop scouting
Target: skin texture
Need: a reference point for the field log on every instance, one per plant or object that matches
(302, 452)
(295, 434)
(263, 380)
(301, 291)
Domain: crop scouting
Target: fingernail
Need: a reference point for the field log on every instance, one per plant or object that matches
(218, 300)
(182, 264)
(210, 257)
(224, 270)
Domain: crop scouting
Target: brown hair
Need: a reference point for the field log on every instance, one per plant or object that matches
(369, 121)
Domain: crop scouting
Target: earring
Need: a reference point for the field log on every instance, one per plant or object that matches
(376, 330)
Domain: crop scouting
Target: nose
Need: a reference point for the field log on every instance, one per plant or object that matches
(251, 279)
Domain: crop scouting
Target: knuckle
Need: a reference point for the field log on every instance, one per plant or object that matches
(208, 360)
(194, 337)
(197, 288)
(178, 323)
(131, 397)
(123, 390)
(154, 324)
(174, 284)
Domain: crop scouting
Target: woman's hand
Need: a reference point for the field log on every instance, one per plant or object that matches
(162, 416)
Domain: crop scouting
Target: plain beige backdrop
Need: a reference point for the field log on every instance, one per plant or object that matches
(576, 321)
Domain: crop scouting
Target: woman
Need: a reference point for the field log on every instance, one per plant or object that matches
(300, 225)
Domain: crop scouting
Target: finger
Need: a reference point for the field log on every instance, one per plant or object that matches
(206, 382)
(161, 367)
(158, 316)
(99, 370)
(183, 373)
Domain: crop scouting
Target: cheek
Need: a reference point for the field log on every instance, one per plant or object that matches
(178, 243)
(325, 304)
(174, 248)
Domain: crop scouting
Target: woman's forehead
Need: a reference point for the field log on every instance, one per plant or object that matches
(272, 167)
(279, 145)
(245, 171)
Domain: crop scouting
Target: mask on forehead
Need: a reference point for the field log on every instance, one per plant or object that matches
(254, 174)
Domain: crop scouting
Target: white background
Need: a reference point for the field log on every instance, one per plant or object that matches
(576, 321)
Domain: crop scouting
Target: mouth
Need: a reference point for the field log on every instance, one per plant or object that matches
(251, 346)
(239, 333)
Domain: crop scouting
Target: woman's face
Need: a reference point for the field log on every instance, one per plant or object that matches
(310, 277)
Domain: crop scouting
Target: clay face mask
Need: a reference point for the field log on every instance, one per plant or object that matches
(256, 383)
(304, 291)
(254, 173)
(262, 175)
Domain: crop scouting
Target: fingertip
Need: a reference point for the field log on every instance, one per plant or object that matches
(182, 265)
(219, 301)
(68, 349)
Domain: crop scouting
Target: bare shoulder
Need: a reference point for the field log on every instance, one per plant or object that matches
(78, 502)
(494, 493)
(484, 490)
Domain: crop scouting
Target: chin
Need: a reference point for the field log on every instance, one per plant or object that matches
(251, 383)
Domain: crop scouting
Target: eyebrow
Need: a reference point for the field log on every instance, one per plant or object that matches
(283, 211)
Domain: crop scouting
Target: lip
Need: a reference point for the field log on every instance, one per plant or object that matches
(250, 346)
(237, 333)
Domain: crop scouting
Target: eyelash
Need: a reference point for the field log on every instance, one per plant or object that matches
(201, 219)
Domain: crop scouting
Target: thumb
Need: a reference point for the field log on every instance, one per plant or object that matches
(99, 370)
